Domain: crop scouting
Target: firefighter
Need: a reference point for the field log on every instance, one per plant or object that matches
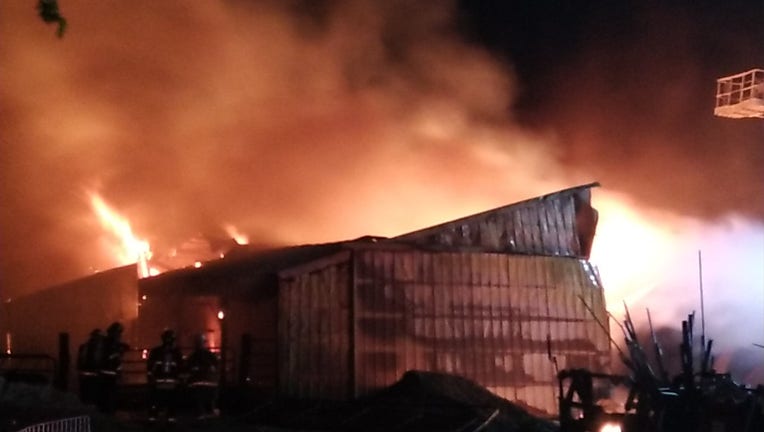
(203, 377)
(89, 358)
(163, 370)
(111, 368)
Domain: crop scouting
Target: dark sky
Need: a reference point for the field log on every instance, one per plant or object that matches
(629, 87)
(301, 121)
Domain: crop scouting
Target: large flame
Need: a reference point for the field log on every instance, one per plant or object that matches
(124, 245)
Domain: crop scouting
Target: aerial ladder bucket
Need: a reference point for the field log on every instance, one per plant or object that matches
(741, 95)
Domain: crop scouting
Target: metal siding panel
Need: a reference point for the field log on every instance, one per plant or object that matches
(536, 245)
(547, 245)
(313, 342)
(483, 316)
(359, 280)
(470, 325)
(559, 223)
(569, 217)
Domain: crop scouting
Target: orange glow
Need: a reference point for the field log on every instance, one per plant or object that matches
(630, 249)
(128, 248)
(610, 427)
(221, 315)
(236, 235)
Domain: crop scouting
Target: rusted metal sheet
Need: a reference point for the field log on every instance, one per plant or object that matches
(558, 224)
(482, 316)
(314, 331)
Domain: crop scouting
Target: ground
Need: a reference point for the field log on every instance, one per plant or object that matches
(420, 402)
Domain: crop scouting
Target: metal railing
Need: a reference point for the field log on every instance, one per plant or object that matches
(740, 95)
(72, 424)
(736, 88)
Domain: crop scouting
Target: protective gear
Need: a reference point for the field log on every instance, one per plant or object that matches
(163, 373)
(200, 341)
(89, 360)
(168, 337)
(203, 377)
(115, 329)
(111, 367)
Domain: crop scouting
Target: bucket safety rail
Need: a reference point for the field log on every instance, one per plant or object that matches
(71, 424)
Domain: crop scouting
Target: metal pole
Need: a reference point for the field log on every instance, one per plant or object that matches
(702, 306)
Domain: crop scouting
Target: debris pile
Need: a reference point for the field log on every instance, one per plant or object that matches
(698, 398)
(419, 401)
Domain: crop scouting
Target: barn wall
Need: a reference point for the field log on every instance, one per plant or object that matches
(482, 316)
(314, 330)
(76, 307)
(258, 320)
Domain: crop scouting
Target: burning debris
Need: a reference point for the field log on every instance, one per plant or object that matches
(698, 398)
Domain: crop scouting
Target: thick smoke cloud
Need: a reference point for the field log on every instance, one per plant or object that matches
(361, 117)
(308, 121)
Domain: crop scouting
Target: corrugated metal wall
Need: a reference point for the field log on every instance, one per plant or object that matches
(314, 330)
(557, 225)
(479, 315)
(482, 316)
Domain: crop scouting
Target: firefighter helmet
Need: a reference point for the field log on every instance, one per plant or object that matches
(115, 329)
(168, 336)
(200, 340)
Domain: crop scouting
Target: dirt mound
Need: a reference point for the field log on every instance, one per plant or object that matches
(418, 402)
(450, 401)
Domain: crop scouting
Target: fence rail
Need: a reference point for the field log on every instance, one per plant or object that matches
(72, 424)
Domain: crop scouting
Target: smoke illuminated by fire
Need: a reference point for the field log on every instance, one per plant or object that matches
(297, 122)
(649, 260)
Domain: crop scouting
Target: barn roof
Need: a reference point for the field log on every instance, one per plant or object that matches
(557, 224)
(547, 225)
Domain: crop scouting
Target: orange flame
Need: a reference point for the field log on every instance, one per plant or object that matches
(130, 248)
(236, 235)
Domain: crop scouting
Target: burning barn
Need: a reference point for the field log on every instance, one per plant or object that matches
(481, 297)
(485, 297)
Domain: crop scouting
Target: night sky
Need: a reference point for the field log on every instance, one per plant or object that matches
(308, 121)
(628, 86)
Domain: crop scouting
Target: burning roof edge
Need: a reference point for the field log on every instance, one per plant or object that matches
(530, 201)
(277, 259)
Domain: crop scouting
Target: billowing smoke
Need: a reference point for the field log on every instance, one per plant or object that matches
(292, 124)
(307, 121)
